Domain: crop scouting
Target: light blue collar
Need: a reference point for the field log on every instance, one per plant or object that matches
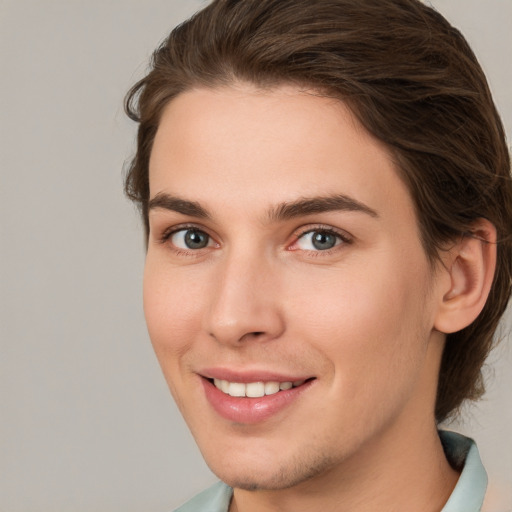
(468, 495)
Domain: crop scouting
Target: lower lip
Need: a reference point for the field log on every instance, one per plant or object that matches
(250, 410)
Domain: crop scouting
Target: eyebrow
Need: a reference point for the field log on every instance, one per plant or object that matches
(175, 204)
(283, 211)
(313, 205)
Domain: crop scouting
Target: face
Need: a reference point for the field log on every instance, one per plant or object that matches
(287, 295)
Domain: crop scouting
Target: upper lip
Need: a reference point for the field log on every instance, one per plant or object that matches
(246, 376)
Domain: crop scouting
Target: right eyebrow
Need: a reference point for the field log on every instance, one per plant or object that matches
(175, 204)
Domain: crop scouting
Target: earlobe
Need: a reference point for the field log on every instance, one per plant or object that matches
(470, 265)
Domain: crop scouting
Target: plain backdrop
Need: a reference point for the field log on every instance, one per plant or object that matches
(86, 420)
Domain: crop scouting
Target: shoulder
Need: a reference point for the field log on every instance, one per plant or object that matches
(214, 499)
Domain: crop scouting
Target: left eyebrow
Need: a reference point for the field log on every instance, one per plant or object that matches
(314, 205)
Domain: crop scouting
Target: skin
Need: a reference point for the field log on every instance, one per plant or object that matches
(359, 317)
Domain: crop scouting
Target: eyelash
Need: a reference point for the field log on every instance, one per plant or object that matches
(344, 238)
(168, 233)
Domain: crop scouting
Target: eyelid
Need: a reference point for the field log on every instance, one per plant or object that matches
(171, 230)
(345, 237)
(167, 234)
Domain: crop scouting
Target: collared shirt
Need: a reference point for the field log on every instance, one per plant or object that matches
(461, 451)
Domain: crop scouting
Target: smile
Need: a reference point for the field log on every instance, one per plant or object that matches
(254, 400)
(254, 389)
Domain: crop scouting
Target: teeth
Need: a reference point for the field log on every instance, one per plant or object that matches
(254, 389)
(271, 388)
(236, 389)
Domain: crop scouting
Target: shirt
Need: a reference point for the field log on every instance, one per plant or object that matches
(461, 451)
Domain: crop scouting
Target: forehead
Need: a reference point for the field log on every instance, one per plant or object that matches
(239, 146)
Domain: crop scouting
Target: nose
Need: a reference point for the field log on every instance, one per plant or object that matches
(245, 303)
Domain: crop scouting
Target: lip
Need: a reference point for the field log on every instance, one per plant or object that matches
(245, 377)
(247, 410)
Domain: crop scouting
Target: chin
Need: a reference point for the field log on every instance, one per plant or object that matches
(271, 476)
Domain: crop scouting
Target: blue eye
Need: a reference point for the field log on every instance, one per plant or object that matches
(318, 240)
(190, 239)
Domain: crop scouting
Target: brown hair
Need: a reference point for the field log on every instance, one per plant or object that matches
(412, 81)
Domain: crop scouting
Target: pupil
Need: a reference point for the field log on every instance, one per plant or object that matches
(323, 241)
(196, 240)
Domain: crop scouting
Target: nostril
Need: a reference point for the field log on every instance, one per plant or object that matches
(252, 335)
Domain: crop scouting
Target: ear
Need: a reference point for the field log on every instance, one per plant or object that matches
(470, 266)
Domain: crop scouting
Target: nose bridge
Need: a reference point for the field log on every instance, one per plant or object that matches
(244, 299)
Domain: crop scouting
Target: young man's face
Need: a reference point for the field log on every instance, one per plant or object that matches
(284, 248)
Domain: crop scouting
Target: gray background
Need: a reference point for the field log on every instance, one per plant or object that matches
(86, 421)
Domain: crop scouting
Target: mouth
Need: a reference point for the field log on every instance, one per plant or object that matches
(252, 401)
(257, 389)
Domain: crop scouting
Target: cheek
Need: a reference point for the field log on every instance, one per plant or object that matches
(370, 324)
(361, 309)
(172, 311)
